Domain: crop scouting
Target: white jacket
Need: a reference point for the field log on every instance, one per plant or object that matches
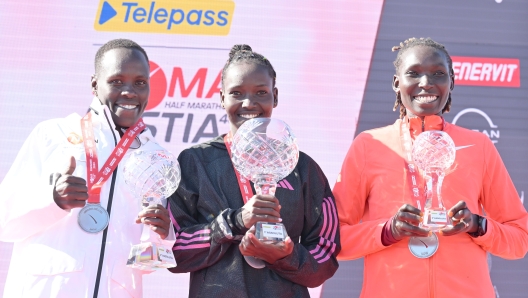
(52, 256)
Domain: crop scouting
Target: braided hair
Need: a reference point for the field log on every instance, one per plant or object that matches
(116, 44)
(412, 42)
(243, 53)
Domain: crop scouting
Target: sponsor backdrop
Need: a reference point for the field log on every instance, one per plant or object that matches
(488, 42)
(321, 51)
(334, 68)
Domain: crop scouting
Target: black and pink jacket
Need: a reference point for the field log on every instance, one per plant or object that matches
(205, 212)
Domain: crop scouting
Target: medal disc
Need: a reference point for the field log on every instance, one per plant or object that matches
(424, 247)
(93, 218)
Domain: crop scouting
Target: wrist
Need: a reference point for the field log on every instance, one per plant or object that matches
(239, 222)
(481, 226)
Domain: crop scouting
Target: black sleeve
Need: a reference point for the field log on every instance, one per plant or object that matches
(314, 259)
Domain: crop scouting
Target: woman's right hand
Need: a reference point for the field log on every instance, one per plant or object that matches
(261, 208)
(406, 223)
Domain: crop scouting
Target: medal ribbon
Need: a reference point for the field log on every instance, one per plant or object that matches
(413, 173)
(243, 183)
(92, 166)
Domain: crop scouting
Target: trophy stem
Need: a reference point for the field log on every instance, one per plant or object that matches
(147, 235)
(265, 184)
(435, 215)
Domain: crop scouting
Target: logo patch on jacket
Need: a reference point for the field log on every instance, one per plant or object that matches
(74, 138)
(284, 184)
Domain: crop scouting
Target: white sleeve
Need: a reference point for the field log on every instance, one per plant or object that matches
(26, 196)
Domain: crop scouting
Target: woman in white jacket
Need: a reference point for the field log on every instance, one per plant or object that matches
(41, 195)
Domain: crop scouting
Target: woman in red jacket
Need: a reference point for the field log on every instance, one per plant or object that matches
(377, 203)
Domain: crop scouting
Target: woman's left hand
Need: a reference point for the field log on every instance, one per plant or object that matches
(157, 217)
(251, 246)
(463, 220)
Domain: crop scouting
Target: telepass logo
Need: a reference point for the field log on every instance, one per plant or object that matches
(199, 17)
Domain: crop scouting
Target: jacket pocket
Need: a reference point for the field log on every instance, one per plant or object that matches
(44, 260)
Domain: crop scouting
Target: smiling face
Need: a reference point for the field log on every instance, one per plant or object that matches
(123, 84)
(248, 92)
(424, 81)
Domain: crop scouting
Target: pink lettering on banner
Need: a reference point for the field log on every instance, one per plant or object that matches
(481, 71)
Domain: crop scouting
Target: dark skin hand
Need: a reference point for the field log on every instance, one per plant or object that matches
(261, 208)
(464, 221)
(406, 221)
(157, 218)
(69, 191)
(251, 246)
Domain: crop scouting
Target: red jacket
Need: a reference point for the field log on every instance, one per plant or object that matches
(372, 186)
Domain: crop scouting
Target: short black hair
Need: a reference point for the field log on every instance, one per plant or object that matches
(116, 44)
(413, 42)
(243, 53)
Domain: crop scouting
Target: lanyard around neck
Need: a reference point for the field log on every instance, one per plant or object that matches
(95, 178)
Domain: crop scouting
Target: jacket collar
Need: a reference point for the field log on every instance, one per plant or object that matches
(418, 126)
(103, 119)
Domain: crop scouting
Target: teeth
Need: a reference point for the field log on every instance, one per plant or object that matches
(425, 99)
(248, 116)
(128, 107)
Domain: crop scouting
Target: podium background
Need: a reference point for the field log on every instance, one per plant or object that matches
(334, 68)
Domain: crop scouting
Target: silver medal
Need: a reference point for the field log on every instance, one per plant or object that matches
(93, 218)
(424, 247)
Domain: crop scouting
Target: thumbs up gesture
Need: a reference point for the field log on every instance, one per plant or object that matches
(69, 191)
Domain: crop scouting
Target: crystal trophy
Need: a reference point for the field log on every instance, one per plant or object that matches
(152, 176)
(264, 150)
(434, 153)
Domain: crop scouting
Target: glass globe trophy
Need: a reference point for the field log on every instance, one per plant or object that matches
(152, 176)
(434, 152)
(264, 150)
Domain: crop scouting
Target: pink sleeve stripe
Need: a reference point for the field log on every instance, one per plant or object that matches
(194, 246)
(176, 225)
(332, 218)
(319, 246)
(328, 255)
(325, 224)
(326, 245)
(336, 221)
(197, 239)
(205, 231)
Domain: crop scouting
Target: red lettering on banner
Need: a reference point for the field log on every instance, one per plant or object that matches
(197, 81)
(481, 71)
(177, 75)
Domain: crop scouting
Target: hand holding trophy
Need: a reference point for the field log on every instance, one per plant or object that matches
(433, 152)
(264, 150)
(153, 176)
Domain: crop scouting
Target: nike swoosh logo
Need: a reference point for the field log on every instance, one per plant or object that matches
(462, 147)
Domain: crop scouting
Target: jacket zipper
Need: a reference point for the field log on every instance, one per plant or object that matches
(108, 209)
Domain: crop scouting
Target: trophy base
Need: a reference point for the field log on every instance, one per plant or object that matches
(436, 219)
(268, 232)
(255, 262)
(150, 256)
